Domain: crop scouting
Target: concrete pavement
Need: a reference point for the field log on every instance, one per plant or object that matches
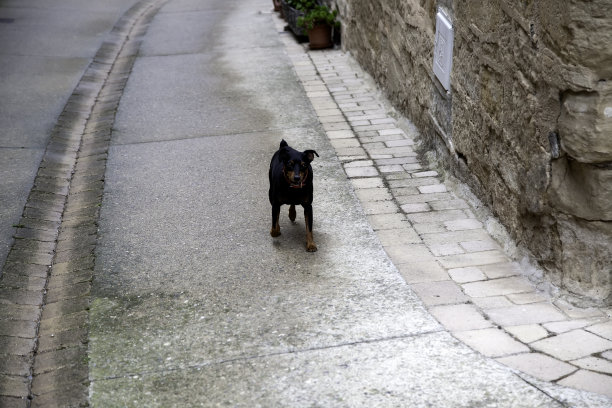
(193, 303)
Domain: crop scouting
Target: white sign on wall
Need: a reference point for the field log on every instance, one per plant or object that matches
(443, 49)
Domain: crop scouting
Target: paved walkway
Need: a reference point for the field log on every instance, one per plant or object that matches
(432, 235)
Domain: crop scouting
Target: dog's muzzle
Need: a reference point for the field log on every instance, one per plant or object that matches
(297, 182)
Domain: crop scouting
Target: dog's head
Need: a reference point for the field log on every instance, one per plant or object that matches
(296, 165)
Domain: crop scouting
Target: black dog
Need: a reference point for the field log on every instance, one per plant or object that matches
(291, 183)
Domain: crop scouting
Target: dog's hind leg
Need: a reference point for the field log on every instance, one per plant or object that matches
(310, 244)
(292, 213)
(275, 231)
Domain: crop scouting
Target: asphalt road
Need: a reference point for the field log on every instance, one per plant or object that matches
(45, 46)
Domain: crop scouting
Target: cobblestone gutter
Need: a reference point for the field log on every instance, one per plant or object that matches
(46, 280)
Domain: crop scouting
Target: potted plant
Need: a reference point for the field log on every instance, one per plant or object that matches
(277, 5)
(318, 23)
(293, 10)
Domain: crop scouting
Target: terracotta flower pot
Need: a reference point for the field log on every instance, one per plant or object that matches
(320, 36)
(277, 5)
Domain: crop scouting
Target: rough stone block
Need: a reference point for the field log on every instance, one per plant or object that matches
(586, 257)
(585, 127)
(582, 190)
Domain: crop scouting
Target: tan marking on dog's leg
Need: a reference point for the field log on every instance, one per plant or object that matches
(275, 230)
(310, 244)
(292, 213)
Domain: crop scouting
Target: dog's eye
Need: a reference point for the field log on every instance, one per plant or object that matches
(303, 165)
(290, 164)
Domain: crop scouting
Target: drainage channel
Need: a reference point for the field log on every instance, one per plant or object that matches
(46, 280)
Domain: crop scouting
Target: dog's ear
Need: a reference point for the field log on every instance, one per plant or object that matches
(309, 155)
(283, 154)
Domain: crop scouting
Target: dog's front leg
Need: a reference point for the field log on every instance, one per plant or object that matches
(275, 231)
(310, 245)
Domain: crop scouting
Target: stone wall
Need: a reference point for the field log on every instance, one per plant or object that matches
(527, 123)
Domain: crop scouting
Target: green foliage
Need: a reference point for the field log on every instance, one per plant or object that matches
(318, 15)
(302, 5)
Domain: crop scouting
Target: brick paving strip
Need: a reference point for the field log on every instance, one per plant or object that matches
(442, 250)
(45, 282)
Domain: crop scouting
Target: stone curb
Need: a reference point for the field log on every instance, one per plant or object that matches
(461, 274)
(46, 280)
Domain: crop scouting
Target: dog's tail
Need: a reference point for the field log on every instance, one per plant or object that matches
(283, 143)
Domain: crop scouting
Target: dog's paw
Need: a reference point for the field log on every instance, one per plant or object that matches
(311, 247)
(275, 232)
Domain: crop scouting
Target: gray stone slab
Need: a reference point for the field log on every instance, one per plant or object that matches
(525, 314)
(460, 317)
(440, 293)
(594, 364)
(491, 342)
(527, 333)
(588, 380)
(496, 287)
(572, 345)
(473, 259)
(422, 271)
(539, 365)
(465, 275)
(602, 329)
